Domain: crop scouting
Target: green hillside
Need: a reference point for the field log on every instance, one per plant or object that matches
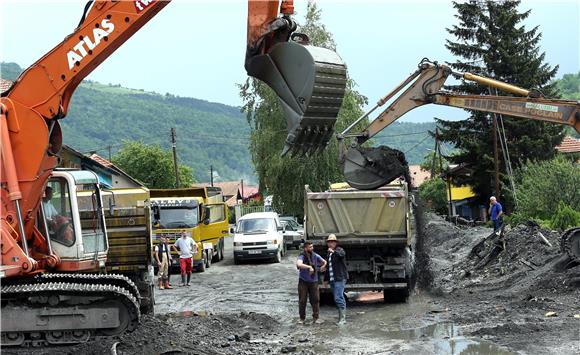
(207, 133)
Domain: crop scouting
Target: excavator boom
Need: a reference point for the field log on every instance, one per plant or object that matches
(370, 168)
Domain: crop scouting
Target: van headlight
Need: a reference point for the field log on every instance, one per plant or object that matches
(274, 241)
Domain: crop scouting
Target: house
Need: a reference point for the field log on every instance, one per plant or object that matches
(569, 145)
(110, 176)
(235, 191)
(418, 175)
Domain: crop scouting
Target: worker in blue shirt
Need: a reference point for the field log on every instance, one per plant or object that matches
(496, 212)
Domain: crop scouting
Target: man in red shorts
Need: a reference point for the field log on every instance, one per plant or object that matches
(187, 248)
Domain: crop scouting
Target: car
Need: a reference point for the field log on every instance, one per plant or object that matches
(259, 236)
(293, 236)
(292, 221)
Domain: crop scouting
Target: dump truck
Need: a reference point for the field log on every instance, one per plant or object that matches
(375, 228)
(127, 217)
(198, 212)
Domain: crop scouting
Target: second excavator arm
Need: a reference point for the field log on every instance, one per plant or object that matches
(369, 168)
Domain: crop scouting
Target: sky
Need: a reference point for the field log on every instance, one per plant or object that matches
(196, 48)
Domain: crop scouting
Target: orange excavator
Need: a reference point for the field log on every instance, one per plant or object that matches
(368, 168)
(46, 297)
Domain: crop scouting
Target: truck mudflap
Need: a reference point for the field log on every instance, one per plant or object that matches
(369, 287)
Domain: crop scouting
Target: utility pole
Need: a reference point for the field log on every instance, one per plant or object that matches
(435, 150)
(109, 152)
(242, 182)
(496, 157)
(211, 175)
(173, 145)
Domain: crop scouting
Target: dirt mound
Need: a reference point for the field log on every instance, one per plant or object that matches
(184, 333)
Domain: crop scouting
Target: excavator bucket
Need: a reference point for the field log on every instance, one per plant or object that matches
(310, 83)
(371, 168)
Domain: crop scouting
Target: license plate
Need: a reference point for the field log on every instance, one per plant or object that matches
(254, 252)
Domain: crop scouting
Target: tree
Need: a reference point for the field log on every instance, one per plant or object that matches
(284, 177)
(490, 40)
(434, 192)
(152, 165)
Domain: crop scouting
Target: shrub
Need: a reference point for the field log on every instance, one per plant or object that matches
(565, 217)
(434, 193)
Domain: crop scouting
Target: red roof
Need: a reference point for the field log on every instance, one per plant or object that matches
(569, 145)
(5, 84)
(101, 160)
(418, 175)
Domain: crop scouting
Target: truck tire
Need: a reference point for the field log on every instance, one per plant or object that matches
(278, 257)
(395, 296)
(201, 267)
(208, 259)
(148, 303)
(217, 256)
(237, 261)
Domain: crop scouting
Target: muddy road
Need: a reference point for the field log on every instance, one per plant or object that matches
(253, 309)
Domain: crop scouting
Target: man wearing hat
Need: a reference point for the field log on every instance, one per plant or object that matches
(337, 275)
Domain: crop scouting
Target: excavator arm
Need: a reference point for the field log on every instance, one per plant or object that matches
(40, 97)
(369, 168)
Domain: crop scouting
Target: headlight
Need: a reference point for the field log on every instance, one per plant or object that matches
(238, 244)
(275, 241)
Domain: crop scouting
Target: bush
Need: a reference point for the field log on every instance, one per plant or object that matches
(542, 186)
(434, 193)
(565, 217)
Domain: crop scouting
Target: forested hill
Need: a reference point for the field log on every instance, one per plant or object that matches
(207, 133)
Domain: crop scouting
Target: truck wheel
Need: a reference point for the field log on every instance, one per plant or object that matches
(216, 256)
(208, 259)
(237, 261)
(278, 257)
(147, 306)
(395, 296)
(201, 267)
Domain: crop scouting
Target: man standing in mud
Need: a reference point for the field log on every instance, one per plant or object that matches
(163, 257)
(309, 263)
(496, 212)
(337, 275)
(187, 248)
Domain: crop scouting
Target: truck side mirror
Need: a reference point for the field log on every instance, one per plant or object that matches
(112, 204)
(156, 213)
(206, 215)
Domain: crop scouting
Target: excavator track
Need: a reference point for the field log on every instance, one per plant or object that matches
(101, 279)
(43, 312)
(570, 243)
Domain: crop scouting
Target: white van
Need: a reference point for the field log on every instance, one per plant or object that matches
(259, 236)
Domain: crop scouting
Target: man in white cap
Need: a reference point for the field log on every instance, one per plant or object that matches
(337, 275)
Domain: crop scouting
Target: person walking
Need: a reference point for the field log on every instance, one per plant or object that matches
(163, 257)
(337, 275)
(496, 212)
(309, 263)
(186, 248)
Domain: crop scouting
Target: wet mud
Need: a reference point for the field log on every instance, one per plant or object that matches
(458, 307)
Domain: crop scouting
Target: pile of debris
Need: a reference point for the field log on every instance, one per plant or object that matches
(522, 258)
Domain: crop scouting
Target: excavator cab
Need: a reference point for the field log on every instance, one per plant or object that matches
(74, 223)
(310, 83)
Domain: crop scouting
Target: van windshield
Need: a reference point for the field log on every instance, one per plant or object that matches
(256, 225)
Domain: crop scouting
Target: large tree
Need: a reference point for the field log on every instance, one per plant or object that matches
(284, 177)
(152, 165)
(490, 39)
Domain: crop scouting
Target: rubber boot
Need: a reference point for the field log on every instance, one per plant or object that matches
(183, 281)
(167, 285)
(188, 279)
(161, 284)
(341, 317)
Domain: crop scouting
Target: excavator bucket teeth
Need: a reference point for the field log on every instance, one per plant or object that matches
(310, 83)
(371, 168)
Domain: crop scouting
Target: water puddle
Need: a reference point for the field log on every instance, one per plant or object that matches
(447, 339)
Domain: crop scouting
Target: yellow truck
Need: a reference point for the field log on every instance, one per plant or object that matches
(198, 212)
